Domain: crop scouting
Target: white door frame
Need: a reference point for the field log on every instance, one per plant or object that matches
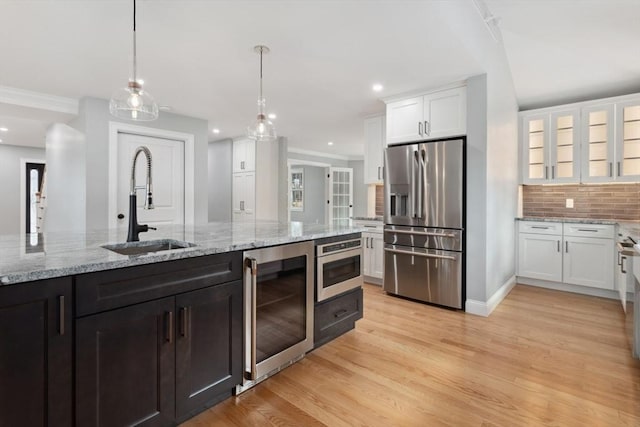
(189, 166)
(23, 190)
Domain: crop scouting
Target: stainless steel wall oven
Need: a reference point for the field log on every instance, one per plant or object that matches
(278, 313)
(339, 265)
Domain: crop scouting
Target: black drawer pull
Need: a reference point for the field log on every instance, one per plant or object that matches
(340, 313)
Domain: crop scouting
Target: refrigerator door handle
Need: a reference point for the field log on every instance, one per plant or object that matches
(420, 254)
(417, 210)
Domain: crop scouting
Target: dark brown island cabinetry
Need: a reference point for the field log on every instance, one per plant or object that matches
(157, 344)
(36, 347)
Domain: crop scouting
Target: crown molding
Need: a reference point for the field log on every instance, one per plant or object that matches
(42, 101)
(322, 154)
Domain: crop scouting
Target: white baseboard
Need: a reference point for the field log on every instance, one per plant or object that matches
(481, 308)
(576, 289)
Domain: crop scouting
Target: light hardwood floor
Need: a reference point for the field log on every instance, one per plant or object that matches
(542, 358)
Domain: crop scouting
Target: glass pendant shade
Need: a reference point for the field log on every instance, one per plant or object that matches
(262, 129)
(133, 103)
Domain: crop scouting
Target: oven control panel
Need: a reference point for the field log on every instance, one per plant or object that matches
(340, 246)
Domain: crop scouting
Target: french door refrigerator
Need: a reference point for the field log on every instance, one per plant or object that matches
(424, 221)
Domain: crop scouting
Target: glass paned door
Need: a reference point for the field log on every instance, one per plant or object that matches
(628, 142)
(597, 149)
(535, 150)
(340, 196)
(564, 144)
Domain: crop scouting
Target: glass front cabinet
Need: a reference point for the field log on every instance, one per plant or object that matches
(551, 147)
(587, 142)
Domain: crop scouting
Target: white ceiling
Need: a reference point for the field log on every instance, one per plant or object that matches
(197, 56)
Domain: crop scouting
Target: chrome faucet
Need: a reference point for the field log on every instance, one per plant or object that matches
(134, 227)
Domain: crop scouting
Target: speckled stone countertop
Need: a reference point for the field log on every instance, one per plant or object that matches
(34, 257)
(367, 218)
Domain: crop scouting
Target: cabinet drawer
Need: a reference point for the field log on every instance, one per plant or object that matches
(603, 231)
(371, 226)
(540, 227)
(337, 316)
(106, 290)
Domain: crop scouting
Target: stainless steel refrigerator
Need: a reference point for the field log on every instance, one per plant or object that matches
(424, 215)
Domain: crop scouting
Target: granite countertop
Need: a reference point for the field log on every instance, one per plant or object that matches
(367, 218)
(34, 257)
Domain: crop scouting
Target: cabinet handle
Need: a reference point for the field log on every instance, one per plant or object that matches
(253, 266)
(242, 164)
(340, 313)
(168, 326)
(427, 127)
(184, 318)
(420, 128)
(618, 168)
(588, 229)
(372, 243)
(242, 205)
(566, 247)
(622, 270)
(540, 227)
(366, 242)
(546, 172)
(558, 245)
(610, 169)
(619, 261)
(61, 314)
(553, 172)
(378, 172)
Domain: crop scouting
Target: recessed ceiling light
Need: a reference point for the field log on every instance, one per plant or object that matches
(377, 87)
(216, 130)
(330, 143)
(272, 116)
(3, 129)
(0, 140)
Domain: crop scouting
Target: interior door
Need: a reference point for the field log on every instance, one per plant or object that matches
(167, 176)
(340, 196)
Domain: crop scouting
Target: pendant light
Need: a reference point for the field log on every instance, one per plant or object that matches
(262, 129)
(132, 102)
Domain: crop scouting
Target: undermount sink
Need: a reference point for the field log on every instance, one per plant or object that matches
(147, 246)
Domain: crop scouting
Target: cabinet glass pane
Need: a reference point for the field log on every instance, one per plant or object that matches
(535, 145)
(598, 131)
(564, 146)
(631, 141)
(536, 171)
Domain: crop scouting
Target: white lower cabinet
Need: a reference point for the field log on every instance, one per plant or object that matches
(576, 254)
(373, 255)
(588, 261)
(540, 256)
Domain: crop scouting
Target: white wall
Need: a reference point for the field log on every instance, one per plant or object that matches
(360, 189)
(491, 220)
(10, 177)
(66, 179)
(93, 121)
(313, 195)
(219, 181)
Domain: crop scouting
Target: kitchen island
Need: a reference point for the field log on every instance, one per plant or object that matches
(95, 337)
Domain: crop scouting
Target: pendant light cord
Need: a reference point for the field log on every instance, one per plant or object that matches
(261, 49)
(134, 42)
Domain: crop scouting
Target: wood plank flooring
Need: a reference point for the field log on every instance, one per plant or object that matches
(542, 358)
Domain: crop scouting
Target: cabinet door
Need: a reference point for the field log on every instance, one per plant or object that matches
(36, 354)
(405, 120)
(534, 134)
(250, 195)
(237, 196)
(597, 143)
(367, 254)
(564, 146)
(208, 346)
(621, 279)
(377, 255)
(244, 155)
(627, 150)
(445, 113)
(540, 256)
(373, 150)
(125, 366)
(588, 262)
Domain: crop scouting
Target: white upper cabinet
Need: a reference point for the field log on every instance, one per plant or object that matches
(593, 141)
(551, 147)
(434, 115)
(244, 155)
(598, 143)
(374, 136)
(627, 147)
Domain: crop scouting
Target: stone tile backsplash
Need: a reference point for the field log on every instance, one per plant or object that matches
(600, 201)
(379, 200)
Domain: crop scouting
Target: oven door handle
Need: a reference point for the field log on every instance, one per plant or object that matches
(396, 251)
(421, 233)
(253, 266)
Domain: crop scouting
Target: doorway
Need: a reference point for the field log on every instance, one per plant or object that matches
(34, 181)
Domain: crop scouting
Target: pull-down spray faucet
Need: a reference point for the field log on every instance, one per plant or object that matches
(134, 227)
